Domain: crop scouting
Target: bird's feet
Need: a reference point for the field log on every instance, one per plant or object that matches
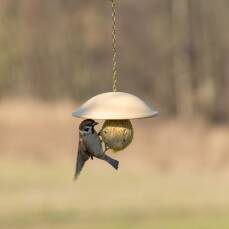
(106, 148)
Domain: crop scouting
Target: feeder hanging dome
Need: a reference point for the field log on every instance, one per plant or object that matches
(115, 106)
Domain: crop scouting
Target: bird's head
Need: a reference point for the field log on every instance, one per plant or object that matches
(87, 126)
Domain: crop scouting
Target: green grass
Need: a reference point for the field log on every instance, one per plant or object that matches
(43, 195)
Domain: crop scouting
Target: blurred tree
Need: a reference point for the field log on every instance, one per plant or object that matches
(181, 58)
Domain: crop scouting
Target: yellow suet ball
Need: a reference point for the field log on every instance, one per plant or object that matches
(117, 134)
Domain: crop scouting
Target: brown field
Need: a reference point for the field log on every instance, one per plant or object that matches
(174, 175)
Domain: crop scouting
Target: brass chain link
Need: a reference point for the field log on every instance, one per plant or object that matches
(114, 45)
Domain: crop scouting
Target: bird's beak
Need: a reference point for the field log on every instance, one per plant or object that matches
(95, 123)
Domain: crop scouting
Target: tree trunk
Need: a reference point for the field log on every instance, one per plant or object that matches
(181, 58)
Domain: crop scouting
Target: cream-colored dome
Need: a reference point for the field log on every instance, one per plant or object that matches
(115, 106)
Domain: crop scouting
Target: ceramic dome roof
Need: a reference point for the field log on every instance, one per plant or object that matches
(115, 106)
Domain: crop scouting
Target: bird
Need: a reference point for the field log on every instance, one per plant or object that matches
(90, 146)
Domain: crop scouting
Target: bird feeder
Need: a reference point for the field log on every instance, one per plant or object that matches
(116, 108)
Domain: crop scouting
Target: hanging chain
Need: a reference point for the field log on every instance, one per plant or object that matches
(114, 44)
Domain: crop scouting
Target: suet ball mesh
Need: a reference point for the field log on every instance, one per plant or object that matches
(117, 134)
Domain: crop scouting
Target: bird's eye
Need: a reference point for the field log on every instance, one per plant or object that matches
(86, 128)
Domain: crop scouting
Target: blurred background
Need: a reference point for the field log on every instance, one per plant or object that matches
(173, 54)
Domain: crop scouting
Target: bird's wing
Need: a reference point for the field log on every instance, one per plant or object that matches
(82, 157)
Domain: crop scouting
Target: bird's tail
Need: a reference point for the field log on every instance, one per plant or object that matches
(114, 163)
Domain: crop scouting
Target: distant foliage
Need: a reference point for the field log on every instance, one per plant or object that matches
(172, 52)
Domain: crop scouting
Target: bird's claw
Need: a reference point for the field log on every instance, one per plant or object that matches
(106, 148)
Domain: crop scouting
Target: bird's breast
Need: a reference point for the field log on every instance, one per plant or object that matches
(94, 145)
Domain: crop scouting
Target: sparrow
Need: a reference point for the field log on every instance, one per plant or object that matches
(90, 145)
